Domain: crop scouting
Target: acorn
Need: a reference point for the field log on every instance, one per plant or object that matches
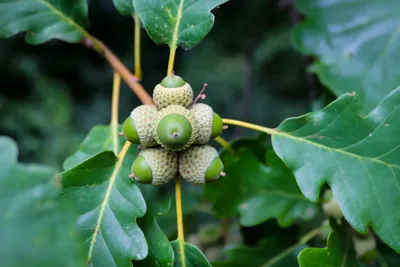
(138, 128)
(208, 122)
(155, 165)
(330, 206)
(172, 90)
(175, 128)
(200, 164)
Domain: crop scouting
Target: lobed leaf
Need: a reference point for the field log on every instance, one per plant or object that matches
(356, 44)
(261, 192)
(160, 250)
(357, 156)
(193, 256)
(338, 253)
(125, 7)
(89, 183)
(177, 22)
(37, 227)
(44, 19)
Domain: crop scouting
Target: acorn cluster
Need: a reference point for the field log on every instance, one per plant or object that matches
(173, 135)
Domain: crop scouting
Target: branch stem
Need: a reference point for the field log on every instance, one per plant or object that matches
(179, 218)
(251, 126)
(114, 111)
(303, 240)
(115, 62)
(138, 66)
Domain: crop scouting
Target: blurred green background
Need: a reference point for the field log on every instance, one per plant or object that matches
(52, 95)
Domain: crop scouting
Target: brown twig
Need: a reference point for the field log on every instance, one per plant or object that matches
(130, 79)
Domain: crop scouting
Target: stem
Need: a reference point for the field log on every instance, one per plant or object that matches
(114, 174)
(251, 126)
(179, 218)
(138, 67)
(303, 240)
(225, 144)
(114, 111)
(126, 75)
(171, 60)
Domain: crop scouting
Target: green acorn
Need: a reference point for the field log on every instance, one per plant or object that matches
(155, 165)
(172, 90)
(331, 206)
(138, 128)
(208, 122)
(175, 128)
(200, 164)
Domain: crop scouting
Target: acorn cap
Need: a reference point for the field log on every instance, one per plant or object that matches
(155, 165)
(208, 122)
(175, 128)
(172, 90)
(138, 128)
(200, 164)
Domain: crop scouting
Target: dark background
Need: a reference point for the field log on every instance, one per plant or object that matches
(51, 95)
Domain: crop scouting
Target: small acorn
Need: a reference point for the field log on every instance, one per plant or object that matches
(172, 90)
(200, 164)
(138, 128)
(208, 122)
(175, 128)
(155, 165)
(330, 206)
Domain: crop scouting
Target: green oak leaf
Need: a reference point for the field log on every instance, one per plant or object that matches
(108, 204)
(193, 256)
(160, 250)
(177, 22)
(338, 253)
(356, 45)
(268, 248)
(261, 192)
(125, 7)
(44, 19)
(358, 156)
(37, 227)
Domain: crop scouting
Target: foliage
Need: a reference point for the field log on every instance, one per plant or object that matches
(35, 222)
(356, 51)
(93, 214)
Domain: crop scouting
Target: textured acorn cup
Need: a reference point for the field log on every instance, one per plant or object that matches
(155, 165)
(200, 164)
(208, 122)
(138, 128)
(175, 128)
(172, 90)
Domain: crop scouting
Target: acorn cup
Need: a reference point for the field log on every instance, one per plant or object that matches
(200, 164)
(207, 121)
(175, 128)
(138, 128)
(172, 90)
(157, 166)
